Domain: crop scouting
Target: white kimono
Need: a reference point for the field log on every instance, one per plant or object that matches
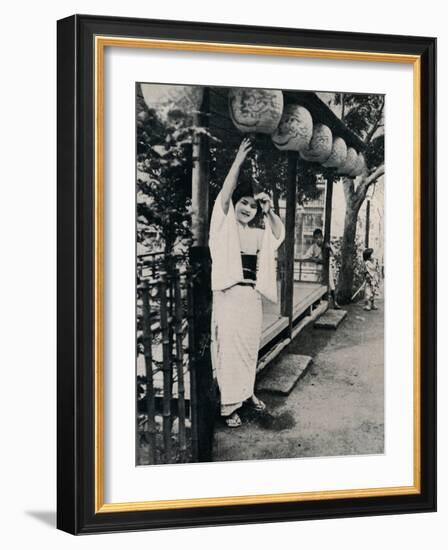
(225, 251)
(237, 309)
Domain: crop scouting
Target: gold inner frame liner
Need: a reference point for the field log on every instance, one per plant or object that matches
(101, 42)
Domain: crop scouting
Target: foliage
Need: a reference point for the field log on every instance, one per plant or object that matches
(309, 175)
(163, 180)
(364, 115)
(375, 153)
(361, 112)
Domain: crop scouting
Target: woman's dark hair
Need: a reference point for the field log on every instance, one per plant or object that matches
(245, 189)
(317, 233)
(367, 254)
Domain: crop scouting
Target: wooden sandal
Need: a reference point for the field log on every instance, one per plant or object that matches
(233, 421)
(258, 404)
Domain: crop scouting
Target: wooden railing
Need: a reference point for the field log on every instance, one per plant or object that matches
(306, 271)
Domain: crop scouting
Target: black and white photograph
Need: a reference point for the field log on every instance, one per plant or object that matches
(260, 273)
(220, 292)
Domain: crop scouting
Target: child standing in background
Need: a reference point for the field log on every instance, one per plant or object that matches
(371, 280)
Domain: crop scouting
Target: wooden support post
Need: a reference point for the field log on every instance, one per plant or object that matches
(201, 295)
(287, 305)
(327, 230)
(191, 355)
(178, 314)
(166, 367)
(367, 223)
(151, 429)
(200, 358)
(200, 176)
(281, 249)
(299, 233)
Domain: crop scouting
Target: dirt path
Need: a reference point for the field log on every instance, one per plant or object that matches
(336, 408)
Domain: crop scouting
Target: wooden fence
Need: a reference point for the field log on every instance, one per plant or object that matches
(165, 386)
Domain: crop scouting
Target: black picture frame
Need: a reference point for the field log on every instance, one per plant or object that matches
(76, 512)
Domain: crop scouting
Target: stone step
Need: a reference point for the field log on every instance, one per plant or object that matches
(331, 319)
(283, 373)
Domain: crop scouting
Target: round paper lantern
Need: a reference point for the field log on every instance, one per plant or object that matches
(359, 166)
(295, 129)
(349, 163)
(173, 104)
(338, 154)
(320, 145)
(255, 109)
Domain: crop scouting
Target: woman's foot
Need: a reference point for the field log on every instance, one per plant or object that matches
(233, 421)
(257, 404)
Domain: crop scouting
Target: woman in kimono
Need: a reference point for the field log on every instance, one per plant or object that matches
(243, 269)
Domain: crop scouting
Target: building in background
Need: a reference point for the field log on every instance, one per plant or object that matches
(311, 216)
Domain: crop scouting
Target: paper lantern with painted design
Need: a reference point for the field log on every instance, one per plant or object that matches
(349, 163)
(320, 145)
(359, 166)
(255, 109)
(338, 154)
(173, 104)
(295, 129)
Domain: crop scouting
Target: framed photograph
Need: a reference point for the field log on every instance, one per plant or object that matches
(246, 274)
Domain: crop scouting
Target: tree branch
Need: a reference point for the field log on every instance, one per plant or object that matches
(367, 182)
(376, 124)
(375, 175)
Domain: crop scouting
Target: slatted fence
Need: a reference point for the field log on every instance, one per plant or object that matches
(165, 397)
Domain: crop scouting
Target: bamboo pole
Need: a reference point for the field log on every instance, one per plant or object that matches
(287, 305)
(166, 349)
(178, 314)
(170, 268)
(367, 224)
(281, 250)
(200, 176)
(151, 429)
(191, 366)
(327, 230)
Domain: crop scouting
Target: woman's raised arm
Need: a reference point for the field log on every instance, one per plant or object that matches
(266, 205)
(276, 224)
(232, 177)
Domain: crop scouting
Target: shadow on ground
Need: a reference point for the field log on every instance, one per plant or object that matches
(335, 409)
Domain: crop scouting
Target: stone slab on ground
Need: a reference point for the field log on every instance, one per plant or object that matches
(282, 374)
(332, 318)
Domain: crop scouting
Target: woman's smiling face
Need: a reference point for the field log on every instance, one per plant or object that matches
(245, 209)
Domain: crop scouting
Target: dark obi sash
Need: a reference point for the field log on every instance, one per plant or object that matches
(249, 262)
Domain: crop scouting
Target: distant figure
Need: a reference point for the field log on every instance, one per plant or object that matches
(315, 254)
(243, 270)
(371, 280)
